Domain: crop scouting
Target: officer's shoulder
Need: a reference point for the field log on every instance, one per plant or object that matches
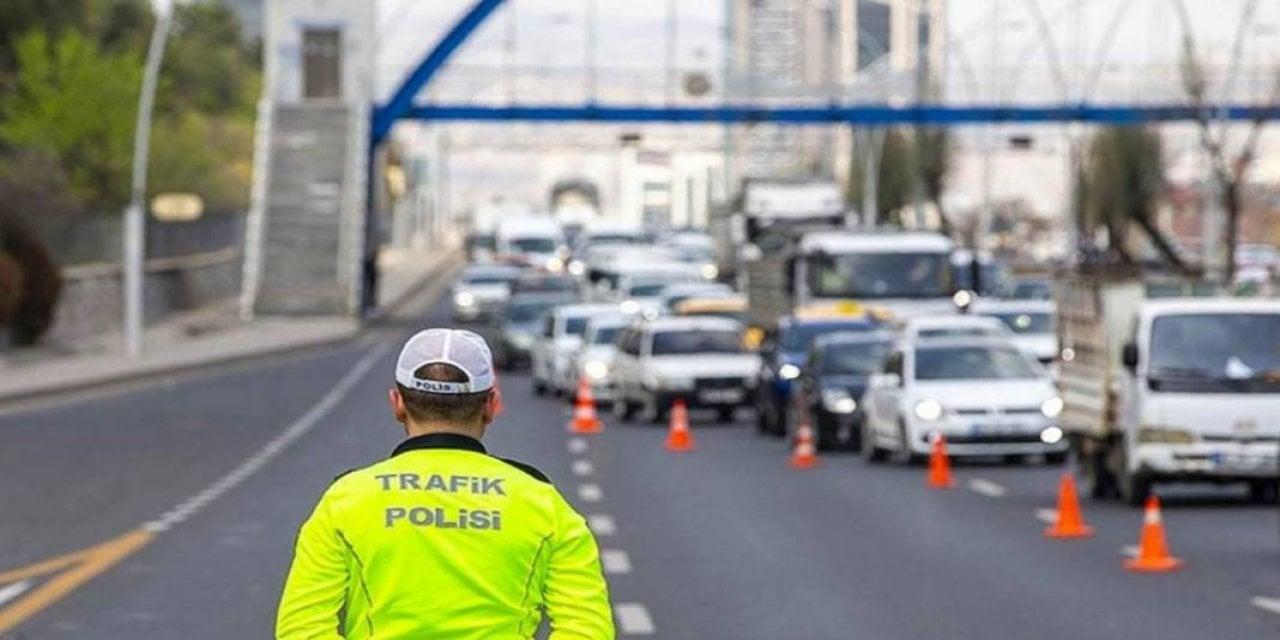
(533, 471)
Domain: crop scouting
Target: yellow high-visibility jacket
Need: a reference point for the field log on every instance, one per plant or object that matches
(444, 541)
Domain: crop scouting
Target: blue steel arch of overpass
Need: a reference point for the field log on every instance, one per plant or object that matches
(401, 105)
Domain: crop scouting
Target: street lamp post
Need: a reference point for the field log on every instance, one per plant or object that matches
(135, 217)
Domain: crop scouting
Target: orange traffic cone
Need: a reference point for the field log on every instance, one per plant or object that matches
(1153, 551)
(939, 466)
(805, 455)
(584, 418)
(1070, 523)
(679, 438)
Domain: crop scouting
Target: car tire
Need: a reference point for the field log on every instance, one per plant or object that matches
(827, 437)
(1135, 488)
(905, 454)
(871, 452)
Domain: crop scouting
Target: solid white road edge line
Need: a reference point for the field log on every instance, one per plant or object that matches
(583, 468)
(602, 525)
(590, 492)
(272, 449)
(1266, 604)
(577, 445)
(633, 619)
(987, 488)
(615, 561)
(14, 590)
(1047, 516)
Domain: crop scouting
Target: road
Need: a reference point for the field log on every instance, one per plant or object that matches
(197, 484)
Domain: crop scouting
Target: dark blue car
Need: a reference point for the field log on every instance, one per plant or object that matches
(837, 371)
(782, 362)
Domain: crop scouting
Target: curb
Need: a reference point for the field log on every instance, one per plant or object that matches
(147, 371)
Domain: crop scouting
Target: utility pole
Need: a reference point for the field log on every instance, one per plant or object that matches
(135, 215)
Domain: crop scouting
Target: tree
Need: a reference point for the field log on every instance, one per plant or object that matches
(1123, 182)
(77, 103)
(893, 179)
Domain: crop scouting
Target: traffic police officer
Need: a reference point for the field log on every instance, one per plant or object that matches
(443, 540)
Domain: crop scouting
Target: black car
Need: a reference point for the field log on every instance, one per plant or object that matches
(836, 373)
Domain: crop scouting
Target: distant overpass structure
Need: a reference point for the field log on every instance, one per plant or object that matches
(312, 233)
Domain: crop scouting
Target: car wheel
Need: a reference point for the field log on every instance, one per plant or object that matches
(826, 433)
(905, 454)
(871, 451)
(764, 417)
(727, 414)
(1135, 488)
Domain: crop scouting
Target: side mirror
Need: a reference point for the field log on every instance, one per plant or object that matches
(1129, 356)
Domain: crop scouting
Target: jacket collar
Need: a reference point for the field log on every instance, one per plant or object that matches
(440, 441)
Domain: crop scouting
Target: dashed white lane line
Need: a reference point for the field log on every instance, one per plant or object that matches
(590, 492)
(272, 449)
(615, 561)
(577, 445)
(1129, 550)
(987, 488)
(14, 590)
(633, 619)
(1047, 516)
(602, 525)
(583, 468)
(1271, 605)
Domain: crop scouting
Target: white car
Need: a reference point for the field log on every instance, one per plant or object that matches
(551, 357)
(594, 360)
(640, 290)
(985, 396)
(1031, 321)
(700, 360)
(482, 290)
(926, 327)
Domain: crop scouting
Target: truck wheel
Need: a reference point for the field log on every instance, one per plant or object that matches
(905, 453)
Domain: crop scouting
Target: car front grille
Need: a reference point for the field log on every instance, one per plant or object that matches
(705, 384)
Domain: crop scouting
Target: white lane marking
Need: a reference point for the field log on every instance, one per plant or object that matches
(987, 488)
(14, 590)
(602, 525)
(583, 468)
(1266, 604)
(1047, 516)
(633, 619)
(577, 445)
(272, 449)
(615, 561)
(1129, 550)
(590, 492)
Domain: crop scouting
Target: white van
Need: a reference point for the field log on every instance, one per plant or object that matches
(532, 241)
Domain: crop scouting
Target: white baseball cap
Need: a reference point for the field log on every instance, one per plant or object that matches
(465, 350)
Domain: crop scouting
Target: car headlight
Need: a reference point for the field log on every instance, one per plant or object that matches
(928, 410)
(520, 339)
(554, 264)
(577, 268)
(788, 372)
(710, 271)
(596, 370)
(1052, 435)
(838, 401)
(1165, 435)
(1052, 407)
(464, 299)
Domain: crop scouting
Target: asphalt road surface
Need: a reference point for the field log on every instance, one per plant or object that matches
(178, 503)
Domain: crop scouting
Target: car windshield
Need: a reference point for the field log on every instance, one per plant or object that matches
(529, 310)
(646, 290)
(1026, 322)
(533, 245)
(487, 278)
(575, 326)
(880, 275)
(667, 343)
(972, 363)
(620, 238)
(693, 253)
(1215, 352)
(799, 336)
(606, 335)
(1031, 290)
(853, 358)
(955, 332)
(546, 284)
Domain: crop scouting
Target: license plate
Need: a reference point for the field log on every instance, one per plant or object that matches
(720, 396)
(1239, 462)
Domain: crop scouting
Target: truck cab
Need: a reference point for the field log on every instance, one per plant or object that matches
(903, 273)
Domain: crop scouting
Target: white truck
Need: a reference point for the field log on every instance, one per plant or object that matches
(1167, 390)
(769, 210)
